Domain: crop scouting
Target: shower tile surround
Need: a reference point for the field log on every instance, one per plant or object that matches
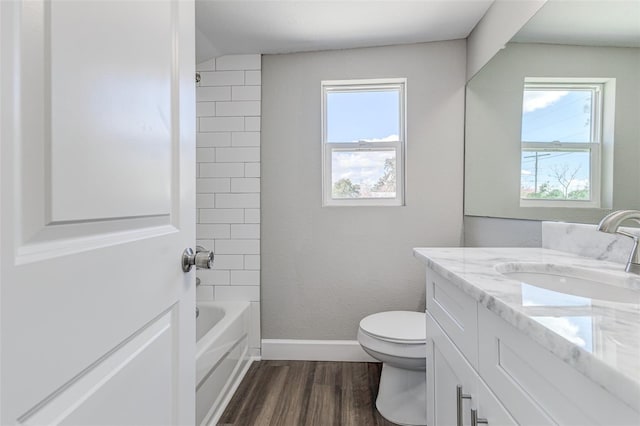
(228, 181)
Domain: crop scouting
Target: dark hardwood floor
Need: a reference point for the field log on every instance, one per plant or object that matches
(306, 393)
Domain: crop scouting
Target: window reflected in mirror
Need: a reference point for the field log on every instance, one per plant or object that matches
(561, 134)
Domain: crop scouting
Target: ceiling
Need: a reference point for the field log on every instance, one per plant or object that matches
(236, 27)
(585, 22)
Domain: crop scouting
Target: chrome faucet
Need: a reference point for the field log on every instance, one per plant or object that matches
(610, 224)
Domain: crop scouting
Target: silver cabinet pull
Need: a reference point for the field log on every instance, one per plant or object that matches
(475, 420)
(201, 259)
(459, 397)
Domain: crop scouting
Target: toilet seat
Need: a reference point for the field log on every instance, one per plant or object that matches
(407, 328)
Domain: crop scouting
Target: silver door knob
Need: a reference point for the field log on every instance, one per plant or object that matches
(201, 258)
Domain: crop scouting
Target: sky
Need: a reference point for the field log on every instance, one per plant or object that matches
(362, 116)
(354, 116)
(556, 115)
(577, 329)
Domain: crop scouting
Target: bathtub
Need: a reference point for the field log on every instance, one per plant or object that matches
(222, 356)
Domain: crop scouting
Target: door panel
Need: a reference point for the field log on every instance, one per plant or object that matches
(126, 77)
(97, 180)
(145, 357)
(101, 116)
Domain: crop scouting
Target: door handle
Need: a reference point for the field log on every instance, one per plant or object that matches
(475, 420)
(459, 397)
(201, 258)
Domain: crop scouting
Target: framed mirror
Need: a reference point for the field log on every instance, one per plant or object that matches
(552, 129)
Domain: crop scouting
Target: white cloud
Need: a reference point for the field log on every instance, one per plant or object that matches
(564, 328)
(364, 167)
(390, 138)
(578, 184)
(534, 100)
(362, 159)
(525, 172)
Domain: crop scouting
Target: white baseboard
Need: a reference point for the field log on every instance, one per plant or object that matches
(254, 354)
(314, 350)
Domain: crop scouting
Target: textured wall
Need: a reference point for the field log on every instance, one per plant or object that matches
(324, 268)
(497, 232)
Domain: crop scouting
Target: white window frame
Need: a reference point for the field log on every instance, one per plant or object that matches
(369, 85)
(594, 147)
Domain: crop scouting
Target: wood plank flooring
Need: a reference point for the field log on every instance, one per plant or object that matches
(306, 393)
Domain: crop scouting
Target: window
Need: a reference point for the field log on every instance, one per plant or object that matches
(363, 142)
(561, 144)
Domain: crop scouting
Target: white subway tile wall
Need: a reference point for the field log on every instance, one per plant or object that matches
(228, 181)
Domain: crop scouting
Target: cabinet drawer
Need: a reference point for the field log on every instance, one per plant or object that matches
(538, 387)
(455, 312)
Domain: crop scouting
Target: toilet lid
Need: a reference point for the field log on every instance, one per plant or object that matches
(402, 326)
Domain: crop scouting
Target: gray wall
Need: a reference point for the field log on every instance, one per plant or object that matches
(497, 232)
(501, 22)
(324, 268)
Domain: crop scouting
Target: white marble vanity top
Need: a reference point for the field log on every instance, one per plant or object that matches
(601, 339)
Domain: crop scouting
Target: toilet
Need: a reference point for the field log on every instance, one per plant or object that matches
(398, 340)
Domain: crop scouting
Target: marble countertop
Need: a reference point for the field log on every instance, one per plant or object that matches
(601, 339)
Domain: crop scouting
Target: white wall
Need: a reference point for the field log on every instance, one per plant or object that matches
(324, 268)
(228, 180)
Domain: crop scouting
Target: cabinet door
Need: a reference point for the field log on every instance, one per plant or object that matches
(446, 369)
(490, 408)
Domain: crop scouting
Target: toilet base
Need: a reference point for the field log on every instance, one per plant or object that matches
(402, 396)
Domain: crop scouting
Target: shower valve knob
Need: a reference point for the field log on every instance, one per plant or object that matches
(201, 258)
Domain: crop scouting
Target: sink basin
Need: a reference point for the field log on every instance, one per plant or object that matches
(581, 282)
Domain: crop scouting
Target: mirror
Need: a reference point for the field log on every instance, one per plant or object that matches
(529, 154)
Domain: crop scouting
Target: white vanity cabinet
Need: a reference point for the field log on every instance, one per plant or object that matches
(453, 384)
(454, 387)
(505, 376)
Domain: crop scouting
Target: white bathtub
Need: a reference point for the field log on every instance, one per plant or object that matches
(222, 358)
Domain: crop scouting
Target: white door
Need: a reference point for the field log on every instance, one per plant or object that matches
(97, 158)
